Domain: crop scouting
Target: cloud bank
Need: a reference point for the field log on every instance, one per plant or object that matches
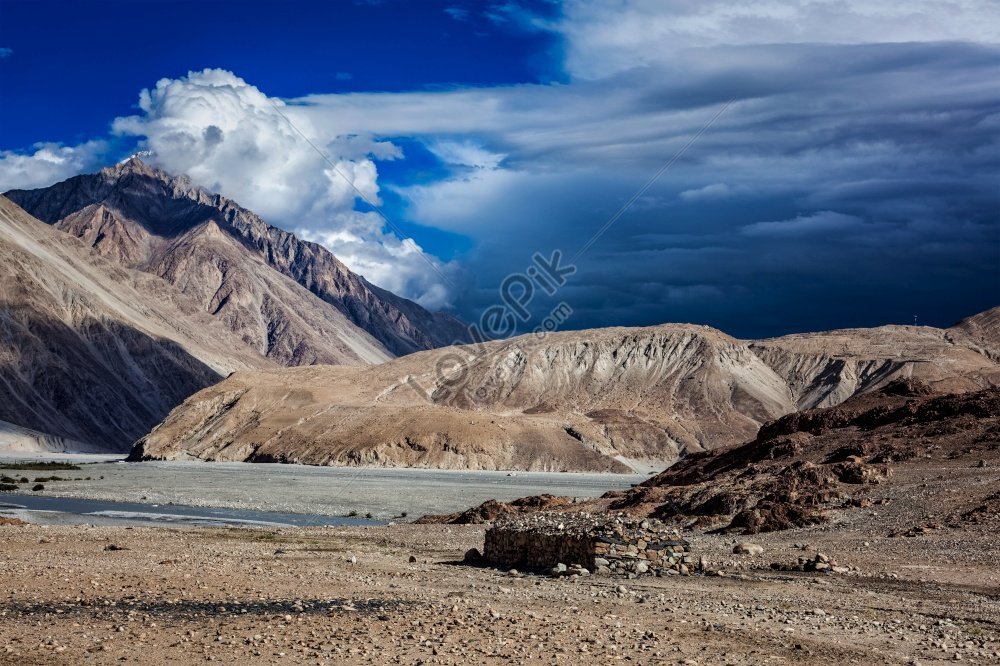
(851, 181)
(604, 38)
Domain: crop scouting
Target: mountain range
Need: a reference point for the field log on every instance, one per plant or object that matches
(817, 466)
(612, 399)
(92, 353)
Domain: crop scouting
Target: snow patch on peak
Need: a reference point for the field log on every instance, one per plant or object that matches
(138, 156)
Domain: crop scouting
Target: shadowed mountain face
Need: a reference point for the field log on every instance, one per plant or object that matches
(598, 400)
(93, 354)
(290, 300)
(97, 382)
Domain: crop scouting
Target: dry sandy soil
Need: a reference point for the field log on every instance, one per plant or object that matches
(296, 596)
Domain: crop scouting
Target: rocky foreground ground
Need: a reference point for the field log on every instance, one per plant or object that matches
(400, 594)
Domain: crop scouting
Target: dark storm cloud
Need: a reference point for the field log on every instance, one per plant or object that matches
(845, 185)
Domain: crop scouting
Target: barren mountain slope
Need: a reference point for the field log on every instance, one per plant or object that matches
(824, 369)
(17, 440)
(93, 352)
(572, 401)
(803, 465)
(983, 330)
(289, 299)
(582, 400)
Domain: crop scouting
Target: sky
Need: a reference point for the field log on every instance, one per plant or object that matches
(761, 167)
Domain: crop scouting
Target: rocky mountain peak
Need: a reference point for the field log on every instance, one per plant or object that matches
(135, 176)
(93, 354)
(274, 289)
(134, 165)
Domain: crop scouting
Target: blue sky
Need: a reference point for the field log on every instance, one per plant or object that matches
(852, 180)
(102, 53)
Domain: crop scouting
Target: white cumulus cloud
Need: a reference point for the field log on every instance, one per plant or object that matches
(230, 137)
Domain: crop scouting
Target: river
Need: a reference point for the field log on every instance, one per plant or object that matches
(288, 494)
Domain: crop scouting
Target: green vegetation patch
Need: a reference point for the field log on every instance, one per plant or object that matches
(39, 466)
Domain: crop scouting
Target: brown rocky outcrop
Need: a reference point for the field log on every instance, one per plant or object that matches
(802, 466)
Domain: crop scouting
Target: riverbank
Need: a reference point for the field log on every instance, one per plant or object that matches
(41, 510)
(383, 493)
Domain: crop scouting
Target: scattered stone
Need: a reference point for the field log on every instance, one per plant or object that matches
(746, 548)
(820, 562)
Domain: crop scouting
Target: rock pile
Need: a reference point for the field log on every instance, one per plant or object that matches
(818, 562)
(583, 543)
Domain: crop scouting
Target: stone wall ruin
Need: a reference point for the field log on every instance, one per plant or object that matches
(604, 544)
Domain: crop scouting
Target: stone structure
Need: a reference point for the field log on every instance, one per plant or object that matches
(581, 542)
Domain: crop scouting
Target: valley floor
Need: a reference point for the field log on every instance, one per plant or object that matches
(103, 595)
